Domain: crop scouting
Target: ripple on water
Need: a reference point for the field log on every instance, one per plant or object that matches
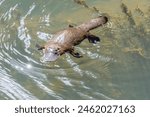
(12, 89)
(24, 76)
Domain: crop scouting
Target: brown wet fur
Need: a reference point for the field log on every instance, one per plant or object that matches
(65, 40)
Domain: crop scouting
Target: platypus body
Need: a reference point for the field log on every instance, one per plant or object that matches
(65, 40)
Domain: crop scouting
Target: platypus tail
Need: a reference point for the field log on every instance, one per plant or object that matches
(93, 23)
(39, 47)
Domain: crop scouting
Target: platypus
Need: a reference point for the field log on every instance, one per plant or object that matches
(65, 40)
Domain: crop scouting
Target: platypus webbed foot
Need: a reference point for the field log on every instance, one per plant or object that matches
(93, 39)
(75, 54)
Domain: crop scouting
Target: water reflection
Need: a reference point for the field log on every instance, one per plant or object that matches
(116, 68)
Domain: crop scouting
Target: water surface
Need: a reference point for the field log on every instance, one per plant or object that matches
(116, 68)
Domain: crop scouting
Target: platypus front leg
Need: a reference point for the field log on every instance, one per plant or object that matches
(75, 54)
(93, 38)
(39, 47)
(70, 26)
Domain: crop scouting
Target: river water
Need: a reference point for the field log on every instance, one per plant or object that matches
(116, 68)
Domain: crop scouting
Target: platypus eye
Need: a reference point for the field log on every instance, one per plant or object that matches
(55, 53)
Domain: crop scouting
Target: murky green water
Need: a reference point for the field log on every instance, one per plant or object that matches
(116, 68)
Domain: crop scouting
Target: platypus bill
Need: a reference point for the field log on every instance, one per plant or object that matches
(65, 40)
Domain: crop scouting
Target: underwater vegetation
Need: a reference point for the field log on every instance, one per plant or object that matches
(140, 36)
(84, 4)
(130, 33)
(81, 2)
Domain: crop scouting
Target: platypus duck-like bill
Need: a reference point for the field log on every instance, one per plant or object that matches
(65, 40)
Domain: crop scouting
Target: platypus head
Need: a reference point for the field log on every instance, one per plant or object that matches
(51, 52)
